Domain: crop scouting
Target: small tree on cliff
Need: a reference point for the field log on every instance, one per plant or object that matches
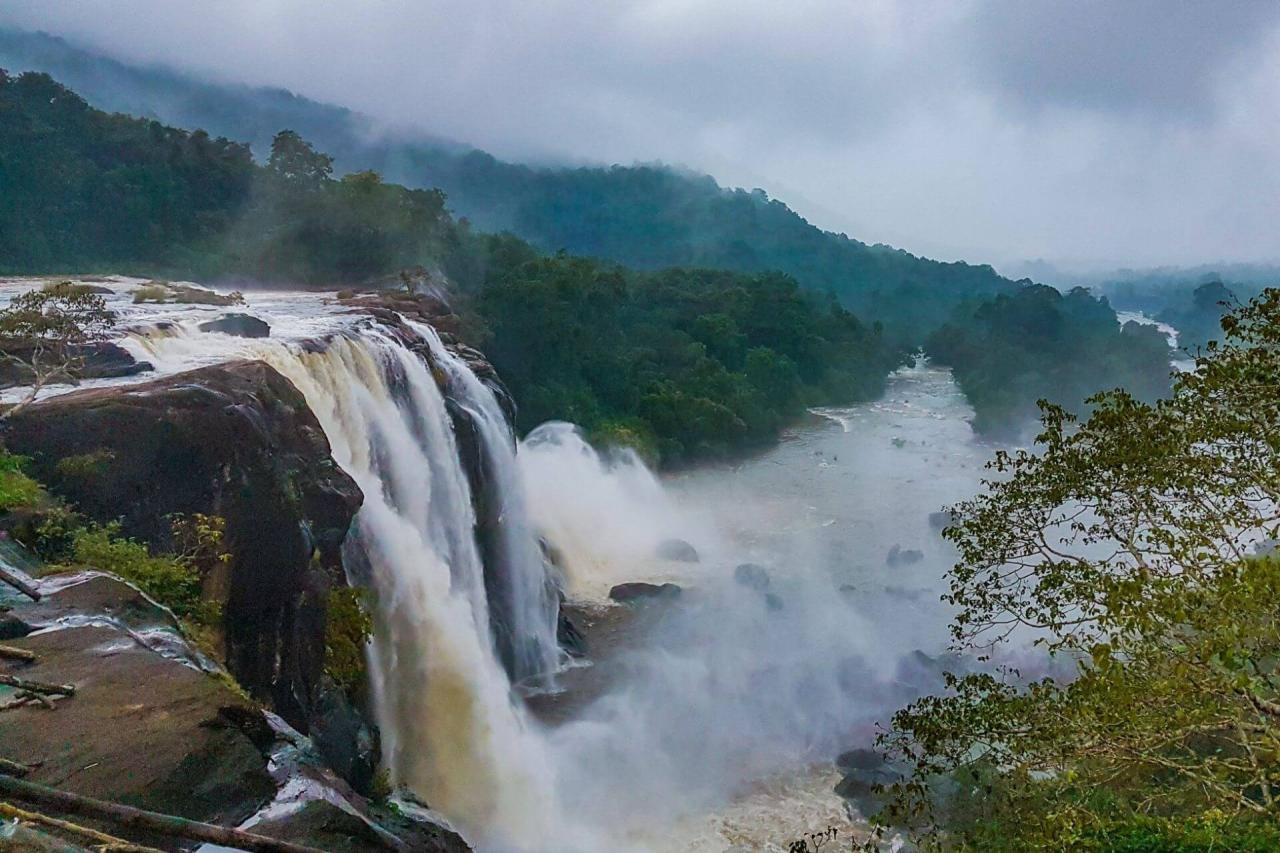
(45, 336)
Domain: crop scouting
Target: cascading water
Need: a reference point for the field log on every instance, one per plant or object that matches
(451, 728)
(516, 577)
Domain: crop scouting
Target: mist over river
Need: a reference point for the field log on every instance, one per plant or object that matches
(731, 708)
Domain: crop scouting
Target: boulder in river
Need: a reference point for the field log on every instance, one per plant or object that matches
(899, 556)
(860, 759)
(753, 576)
(940, 519)
(239, 325)
(627, 593)
(677, 551)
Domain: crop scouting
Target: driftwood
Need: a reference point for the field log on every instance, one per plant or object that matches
(14, 768)
(141, 820)
(103, 841)
(19, 584)
(13, 653)
(37, 686)
(23, 698)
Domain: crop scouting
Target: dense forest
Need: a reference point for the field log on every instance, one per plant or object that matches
(693, 362)
(1011, 351)
(686, 363)
(696, 362)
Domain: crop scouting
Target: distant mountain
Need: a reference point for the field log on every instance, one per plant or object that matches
(646, 217)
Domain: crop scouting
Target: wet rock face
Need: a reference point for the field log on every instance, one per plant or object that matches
(235, 440)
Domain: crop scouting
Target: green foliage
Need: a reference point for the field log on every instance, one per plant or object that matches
(17, 490)
(169, 580)
(348, 627)
(83, 188)
(1124, 548)
(696, 363)
(1014, 350)
(45, 333)
(84, 466)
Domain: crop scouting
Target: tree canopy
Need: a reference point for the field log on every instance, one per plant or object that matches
(1133, 545)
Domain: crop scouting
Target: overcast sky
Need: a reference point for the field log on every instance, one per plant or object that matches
(1136, 132)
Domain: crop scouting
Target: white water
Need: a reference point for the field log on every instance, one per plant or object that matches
(527, 595)
(726, 714)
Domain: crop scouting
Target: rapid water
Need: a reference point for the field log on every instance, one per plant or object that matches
(723, 715)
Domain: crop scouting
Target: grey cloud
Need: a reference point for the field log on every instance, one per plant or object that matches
(1135, 131)
(1149, 56)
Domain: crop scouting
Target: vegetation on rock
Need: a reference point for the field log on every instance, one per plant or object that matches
(348, 627)
(45, 333)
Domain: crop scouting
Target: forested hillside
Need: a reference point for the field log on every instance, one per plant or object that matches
(1014, 350)
(646, 217)
(688, 363)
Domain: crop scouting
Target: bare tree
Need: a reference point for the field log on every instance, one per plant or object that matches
(46, 335)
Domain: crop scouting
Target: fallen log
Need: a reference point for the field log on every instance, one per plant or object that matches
(107, 842)
(13, 768)
(41, 699)
(140, 819)
(37, 686)
(13, 653)
(19, 584)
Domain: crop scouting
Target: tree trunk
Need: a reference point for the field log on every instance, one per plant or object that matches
(145, 821)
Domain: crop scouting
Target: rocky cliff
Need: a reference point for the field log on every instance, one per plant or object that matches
(235, 441)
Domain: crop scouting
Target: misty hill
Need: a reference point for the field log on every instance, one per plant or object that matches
(646, 217)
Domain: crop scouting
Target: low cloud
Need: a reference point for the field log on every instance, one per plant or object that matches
(1140, 132)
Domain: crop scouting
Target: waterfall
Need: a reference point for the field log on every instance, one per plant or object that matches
(516, 577)
(452, 729)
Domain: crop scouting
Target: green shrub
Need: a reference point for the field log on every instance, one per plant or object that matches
(16, 488)
(166, 579)
(83, 466)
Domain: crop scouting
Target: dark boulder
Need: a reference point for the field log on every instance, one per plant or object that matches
(237, 441)
(753, 576)
(899, 556)
(571, 639)
(628, 593)
(239, 325)
(676, 550)
(321, 824)
(11, 627)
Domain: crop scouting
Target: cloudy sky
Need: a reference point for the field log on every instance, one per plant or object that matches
(1087, 133)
